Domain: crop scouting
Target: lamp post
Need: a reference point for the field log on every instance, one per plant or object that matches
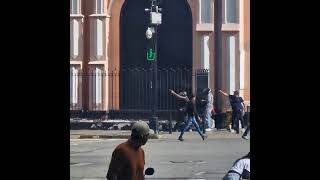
(151, 54)
(218, 52)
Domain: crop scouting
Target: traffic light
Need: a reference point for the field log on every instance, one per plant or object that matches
(151, 54)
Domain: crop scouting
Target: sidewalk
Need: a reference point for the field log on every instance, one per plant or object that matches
(119, 134)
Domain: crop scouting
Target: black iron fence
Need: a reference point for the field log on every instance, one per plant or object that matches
(94, 91)
(129, 92)
(136, 87)
(126, 94)
(75, 90)
(202, 80)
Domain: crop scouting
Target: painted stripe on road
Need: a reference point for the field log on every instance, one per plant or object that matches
(199, 173)
(94, 140)
(81, 164)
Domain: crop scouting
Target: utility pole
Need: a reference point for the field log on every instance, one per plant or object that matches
(151, 54)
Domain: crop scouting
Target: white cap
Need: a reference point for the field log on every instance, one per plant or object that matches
(140, 127)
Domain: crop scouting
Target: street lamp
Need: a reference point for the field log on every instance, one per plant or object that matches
(218, 56)
(149, 33)
(155, 20)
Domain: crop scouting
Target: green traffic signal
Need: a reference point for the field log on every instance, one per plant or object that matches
(150, 55)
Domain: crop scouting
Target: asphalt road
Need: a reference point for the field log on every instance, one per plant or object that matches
(171, 159)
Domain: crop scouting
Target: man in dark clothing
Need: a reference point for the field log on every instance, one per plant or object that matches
(238, 107)
(192, 114)
(128, 159)
(183, 116)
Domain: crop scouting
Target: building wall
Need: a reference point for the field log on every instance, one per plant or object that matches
(77, 54)
(246, 44)
(83, 54)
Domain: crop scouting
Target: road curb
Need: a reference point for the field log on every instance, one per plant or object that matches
(86, 136)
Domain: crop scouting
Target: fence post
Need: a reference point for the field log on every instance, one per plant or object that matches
(203, 126)
(170, 122)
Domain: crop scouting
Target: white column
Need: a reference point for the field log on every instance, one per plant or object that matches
(71, 86)
(205, 53)
(74, 38)
(98, 86)
(74, 85)
(93, 89)
(99, 38)
(231, 63)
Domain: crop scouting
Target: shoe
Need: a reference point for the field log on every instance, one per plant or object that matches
(180, 138)
(204, 137)
(232, 131)
(245, 137)
(208, 129)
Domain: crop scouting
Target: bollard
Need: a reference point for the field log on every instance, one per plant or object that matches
(170, 123)
(153, 124)
(248, 115)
